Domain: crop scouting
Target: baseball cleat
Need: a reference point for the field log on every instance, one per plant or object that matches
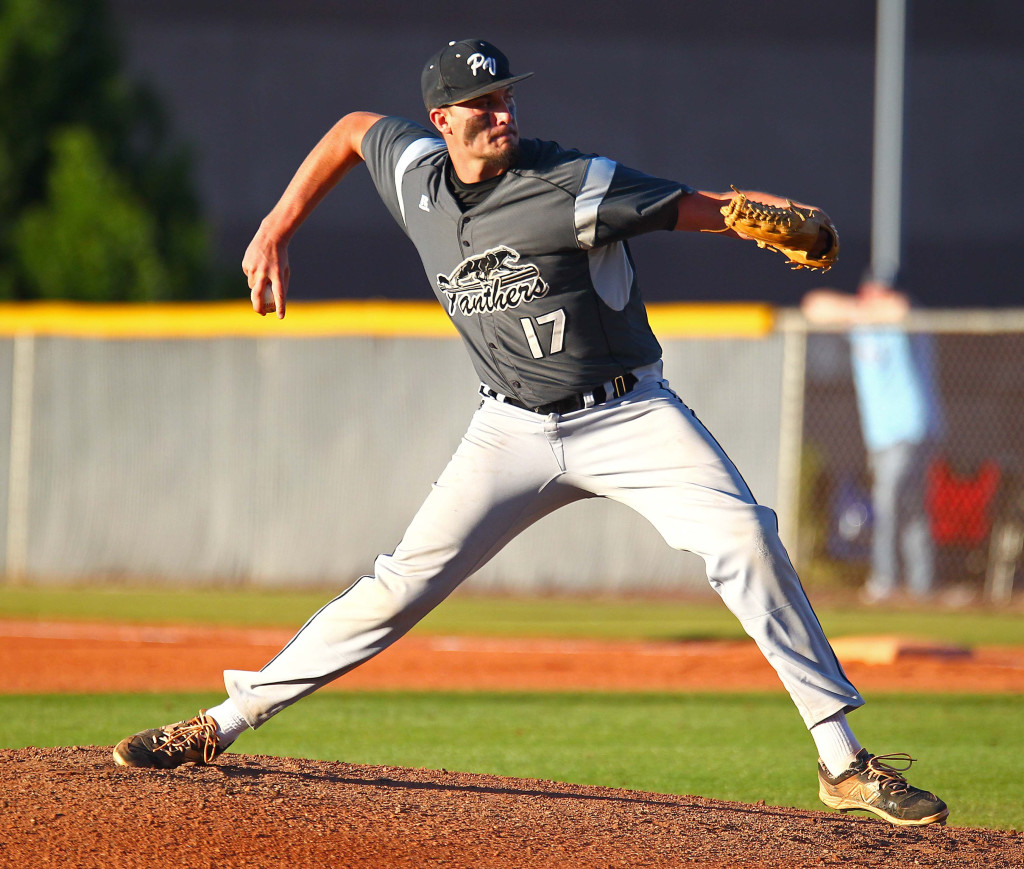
(871, 785)
(192, 741)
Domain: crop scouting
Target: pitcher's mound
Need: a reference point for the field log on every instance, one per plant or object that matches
(74, 807)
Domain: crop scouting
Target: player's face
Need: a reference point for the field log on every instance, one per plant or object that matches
(486, 128)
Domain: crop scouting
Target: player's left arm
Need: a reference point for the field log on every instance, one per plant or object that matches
(701, 211)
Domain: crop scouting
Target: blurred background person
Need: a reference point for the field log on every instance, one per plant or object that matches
(901, 422)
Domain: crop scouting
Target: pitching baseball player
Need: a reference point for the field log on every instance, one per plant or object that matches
(525, 244)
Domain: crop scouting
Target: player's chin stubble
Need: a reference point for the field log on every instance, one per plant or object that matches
(500, 159)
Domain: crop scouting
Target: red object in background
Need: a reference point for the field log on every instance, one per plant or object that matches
(959, 506)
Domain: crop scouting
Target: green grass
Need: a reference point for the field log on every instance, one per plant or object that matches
(737, 747)
(700, 618)
(969, 746)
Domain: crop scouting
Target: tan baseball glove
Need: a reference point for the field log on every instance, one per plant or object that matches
(791, 230)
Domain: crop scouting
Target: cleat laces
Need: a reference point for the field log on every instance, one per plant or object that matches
(889, 777)
(199, 733)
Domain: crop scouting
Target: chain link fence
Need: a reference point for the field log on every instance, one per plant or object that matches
(973, 468)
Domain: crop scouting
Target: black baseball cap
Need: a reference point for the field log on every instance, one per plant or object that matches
(463, 70)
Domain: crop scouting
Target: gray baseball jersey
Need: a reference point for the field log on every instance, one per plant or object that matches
(538, 277)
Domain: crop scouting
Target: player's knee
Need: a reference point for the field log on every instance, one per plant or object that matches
(750, 535)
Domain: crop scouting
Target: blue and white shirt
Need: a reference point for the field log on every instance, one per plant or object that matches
(896, 394)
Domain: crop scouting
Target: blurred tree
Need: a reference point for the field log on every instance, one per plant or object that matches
(91, 239)
(95, 201)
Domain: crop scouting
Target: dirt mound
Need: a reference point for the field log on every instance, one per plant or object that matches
(74, 807)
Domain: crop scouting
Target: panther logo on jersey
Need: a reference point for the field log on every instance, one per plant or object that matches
(492, 281)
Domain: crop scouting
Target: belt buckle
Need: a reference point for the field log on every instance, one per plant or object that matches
(619, 383)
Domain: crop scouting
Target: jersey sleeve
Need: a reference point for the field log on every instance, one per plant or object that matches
(391, 147)
(615, 203)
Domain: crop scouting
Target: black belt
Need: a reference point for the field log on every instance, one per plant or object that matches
(615, 388)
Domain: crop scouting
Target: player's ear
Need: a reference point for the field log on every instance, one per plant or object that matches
(439, 118)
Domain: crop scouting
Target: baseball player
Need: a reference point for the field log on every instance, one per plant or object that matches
(525, 244)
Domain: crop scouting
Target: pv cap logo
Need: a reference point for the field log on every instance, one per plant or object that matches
(465, 70)
(477, 61)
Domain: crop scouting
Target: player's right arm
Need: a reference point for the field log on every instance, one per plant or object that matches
(266, 259)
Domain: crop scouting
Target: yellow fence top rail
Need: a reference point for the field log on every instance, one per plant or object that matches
(374, 318)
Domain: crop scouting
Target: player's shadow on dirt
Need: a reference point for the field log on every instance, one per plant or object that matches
(256, 772)
(252, 770)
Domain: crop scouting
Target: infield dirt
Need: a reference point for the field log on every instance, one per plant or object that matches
(49, 656)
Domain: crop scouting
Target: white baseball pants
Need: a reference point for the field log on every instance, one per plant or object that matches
(646, 450)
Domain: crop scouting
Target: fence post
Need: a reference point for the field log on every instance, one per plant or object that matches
(19, 472)
(791, 428)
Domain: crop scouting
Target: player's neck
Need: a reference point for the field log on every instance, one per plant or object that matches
(473, 171)
(468, 195)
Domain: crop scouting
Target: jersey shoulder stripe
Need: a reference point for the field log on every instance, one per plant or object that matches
(596, 182)
(415, 151)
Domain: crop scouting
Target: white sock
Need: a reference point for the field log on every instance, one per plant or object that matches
(230, 723)
(837, 746)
